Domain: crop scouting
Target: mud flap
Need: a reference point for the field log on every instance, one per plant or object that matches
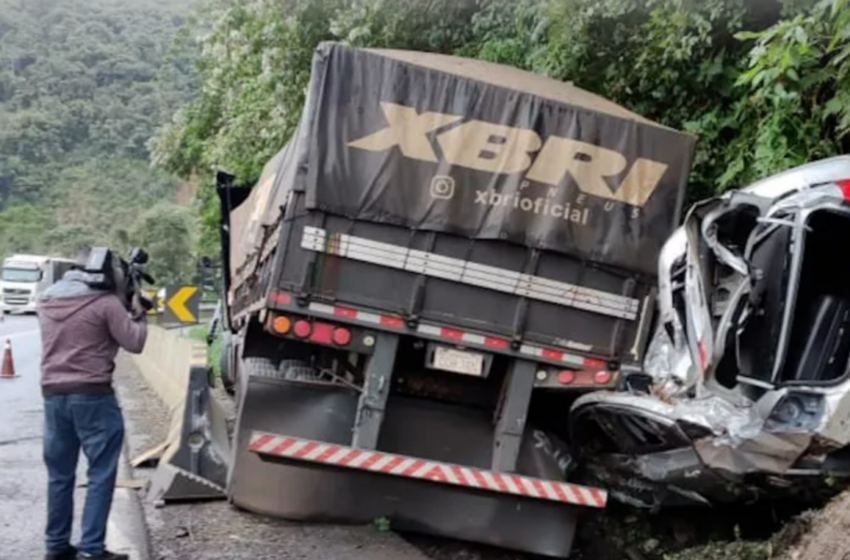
(412, 427)
(195, 457)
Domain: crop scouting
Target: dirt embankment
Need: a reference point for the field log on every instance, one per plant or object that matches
(813, 535)
(759, 532)
(826, 534)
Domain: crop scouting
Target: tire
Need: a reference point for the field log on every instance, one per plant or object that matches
(228, 377)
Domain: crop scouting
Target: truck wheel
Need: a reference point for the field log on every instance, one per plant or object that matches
(228, 379)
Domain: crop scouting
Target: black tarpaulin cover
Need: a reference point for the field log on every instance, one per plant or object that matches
(440, 143)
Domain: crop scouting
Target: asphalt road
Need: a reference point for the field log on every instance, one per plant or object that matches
(23, 478)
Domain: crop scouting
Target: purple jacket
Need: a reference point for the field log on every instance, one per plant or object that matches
(81, 332)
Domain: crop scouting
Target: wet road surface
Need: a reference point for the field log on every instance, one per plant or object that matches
(23, 478)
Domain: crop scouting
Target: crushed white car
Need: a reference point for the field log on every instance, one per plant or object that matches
(745, 387)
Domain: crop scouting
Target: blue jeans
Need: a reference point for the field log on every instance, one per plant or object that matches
(93, 423)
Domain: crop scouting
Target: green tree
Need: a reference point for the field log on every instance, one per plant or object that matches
(83, 86)
(166, 232)
(797, 86)
(21, 229)
(68, 240)
(763, 85)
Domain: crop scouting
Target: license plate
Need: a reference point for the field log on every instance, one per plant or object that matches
(458, 361)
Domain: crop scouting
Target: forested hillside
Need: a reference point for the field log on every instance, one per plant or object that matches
(83, 86)
(764, 84)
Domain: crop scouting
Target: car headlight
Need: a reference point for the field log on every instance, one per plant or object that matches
(796, 411)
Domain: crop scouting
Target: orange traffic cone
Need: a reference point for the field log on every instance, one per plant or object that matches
(8, 371)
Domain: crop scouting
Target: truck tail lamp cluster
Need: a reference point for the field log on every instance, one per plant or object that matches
(569, 377)
(575, 379)
(314, 331)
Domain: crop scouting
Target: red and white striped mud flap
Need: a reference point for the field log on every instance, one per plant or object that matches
(379, 462)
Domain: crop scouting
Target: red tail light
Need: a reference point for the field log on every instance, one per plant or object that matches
(302, 328)
(341, 337)
(566, 377)
(322, 333)
(602, 377)
(584, 378)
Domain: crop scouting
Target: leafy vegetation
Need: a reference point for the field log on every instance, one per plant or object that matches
(85, 83)
(764, 85)
(83, 86)
(166, 231)
(214, 350)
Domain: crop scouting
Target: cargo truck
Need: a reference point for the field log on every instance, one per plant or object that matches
(444, 256)
(25, 277)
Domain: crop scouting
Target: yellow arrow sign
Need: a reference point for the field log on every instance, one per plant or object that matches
(177, 304)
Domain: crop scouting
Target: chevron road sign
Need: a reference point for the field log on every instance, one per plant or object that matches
(182, 305)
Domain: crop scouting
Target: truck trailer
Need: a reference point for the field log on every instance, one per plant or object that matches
(444, 256)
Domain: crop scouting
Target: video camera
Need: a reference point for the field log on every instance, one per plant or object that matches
(106, 271)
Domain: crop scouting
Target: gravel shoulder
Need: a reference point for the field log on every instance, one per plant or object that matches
(217, 531)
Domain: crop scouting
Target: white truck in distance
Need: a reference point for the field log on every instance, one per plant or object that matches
(25, 277)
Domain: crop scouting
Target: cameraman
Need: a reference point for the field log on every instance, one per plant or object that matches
(83, 324)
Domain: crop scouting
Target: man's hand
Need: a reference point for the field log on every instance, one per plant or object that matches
(139, 306)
